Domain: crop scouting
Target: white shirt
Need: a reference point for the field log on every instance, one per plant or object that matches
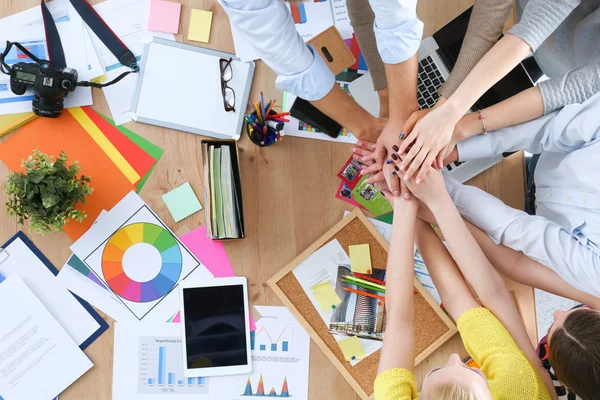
(564, 234)
(269, 27)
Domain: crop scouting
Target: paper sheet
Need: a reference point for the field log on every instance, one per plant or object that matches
(360, 258)
(39, 359)
(164, 16)
(134, 253)
(182, 202)
(200, 24)
(129, 20)
(352, 348)
(22, 262)
(210, 252)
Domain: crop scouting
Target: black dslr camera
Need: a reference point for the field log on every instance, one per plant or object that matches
(50, 86)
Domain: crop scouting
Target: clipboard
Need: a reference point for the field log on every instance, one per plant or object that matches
(179, 88)
(4, 255)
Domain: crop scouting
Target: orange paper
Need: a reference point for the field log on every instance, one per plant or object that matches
(51, 136)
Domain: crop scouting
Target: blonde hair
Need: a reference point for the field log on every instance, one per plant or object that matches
(451, 390)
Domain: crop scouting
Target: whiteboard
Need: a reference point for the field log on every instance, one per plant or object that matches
(180, 88)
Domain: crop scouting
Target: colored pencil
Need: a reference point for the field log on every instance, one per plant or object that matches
(262, 104)
(270, 106)
(364, 294)
(362, 285)
(258, 111)
(283, 114)
(368, 278)
(354, 279)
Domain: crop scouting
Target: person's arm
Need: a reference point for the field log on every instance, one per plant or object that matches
(434, 132)
(399, 340)
(574, 87)
(561, 131)
(269, 28)
(485, 28)
(535, 236)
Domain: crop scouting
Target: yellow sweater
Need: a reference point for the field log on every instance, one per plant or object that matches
(509, 373)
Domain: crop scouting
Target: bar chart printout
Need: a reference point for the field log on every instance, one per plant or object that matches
(160, 368)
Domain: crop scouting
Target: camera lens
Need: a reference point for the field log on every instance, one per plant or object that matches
(49, 108)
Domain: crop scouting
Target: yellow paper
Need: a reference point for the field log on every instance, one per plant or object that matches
(10, 122)
(105, 144)
(352, 348)
(326, 296)
(360, 258)
(200, 26)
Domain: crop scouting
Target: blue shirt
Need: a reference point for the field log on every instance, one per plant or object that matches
(564, 235)
(269, 27)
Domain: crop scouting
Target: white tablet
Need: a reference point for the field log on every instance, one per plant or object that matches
(215, 327)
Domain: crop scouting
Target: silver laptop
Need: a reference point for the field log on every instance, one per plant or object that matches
(437, 56)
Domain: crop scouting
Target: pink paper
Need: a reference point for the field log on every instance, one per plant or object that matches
(164, 16)
(212, 254)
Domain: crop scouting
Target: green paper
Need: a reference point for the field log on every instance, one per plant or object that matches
(369, 197)
(153, 150)
(387, 218)
(182, 202)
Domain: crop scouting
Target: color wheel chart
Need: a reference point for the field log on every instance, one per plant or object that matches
(155, 246)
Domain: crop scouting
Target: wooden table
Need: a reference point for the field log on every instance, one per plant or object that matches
(289, 202)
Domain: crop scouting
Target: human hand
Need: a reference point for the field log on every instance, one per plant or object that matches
(429, 138)
(430, 191)
(364, 152)
(372, 129)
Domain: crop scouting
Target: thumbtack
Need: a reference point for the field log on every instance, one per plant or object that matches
(368, 271)
(354, 358)
(333, 306)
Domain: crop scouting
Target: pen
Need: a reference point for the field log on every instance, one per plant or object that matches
(275, 125)
(364, 294)
(262, 104)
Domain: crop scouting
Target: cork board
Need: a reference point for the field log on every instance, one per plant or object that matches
(432, 326)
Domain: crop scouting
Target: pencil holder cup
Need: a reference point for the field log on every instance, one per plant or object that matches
(258, 137)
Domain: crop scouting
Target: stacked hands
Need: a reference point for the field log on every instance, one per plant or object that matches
(407, 153)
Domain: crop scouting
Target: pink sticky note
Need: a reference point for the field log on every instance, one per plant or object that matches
(164, 16)
(212, 254)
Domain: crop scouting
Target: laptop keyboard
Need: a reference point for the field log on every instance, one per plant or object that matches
(430, 79)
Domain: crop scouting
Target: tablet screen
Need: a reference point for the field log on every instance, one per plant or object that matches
(215, 326)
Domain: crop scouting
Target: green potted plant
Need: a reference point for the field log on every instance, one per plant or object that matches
(47, 192)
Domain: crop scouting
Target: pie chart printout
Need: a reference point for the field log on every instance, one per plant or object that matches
(142, 262)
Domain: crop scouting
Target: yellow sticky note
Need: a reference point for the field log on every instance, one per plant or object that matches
(326, 296)
(360, 258)
(200, 25)
(352, 348)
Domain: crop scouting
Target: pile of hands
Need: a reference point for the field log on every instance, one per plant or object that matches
(408, 155)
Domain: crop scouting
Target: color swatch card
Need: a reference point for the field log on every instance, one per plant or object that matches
(200, 24)
(352, 348)
(164, 16)
(360, 258)
(326, 296)
(139, 258)
(368, 196)
(182, 202)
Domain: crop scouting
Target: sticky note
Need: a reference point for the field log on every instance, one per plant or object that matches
(182, 202)
(164, 16)
(352, 348)
(360, 258)
(326, 296)
(200, 23)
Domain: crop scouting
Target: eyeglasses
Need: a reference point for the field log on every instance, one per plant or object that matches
(226, 76)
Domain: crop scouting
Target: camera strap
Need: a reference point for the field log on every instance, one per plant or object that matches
(100, 28)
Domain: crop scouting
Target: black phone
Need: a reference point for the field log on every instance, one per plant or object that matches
(310, 114)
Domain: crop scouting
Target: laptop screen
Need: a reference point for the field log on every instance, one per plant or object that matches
(450, 38)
